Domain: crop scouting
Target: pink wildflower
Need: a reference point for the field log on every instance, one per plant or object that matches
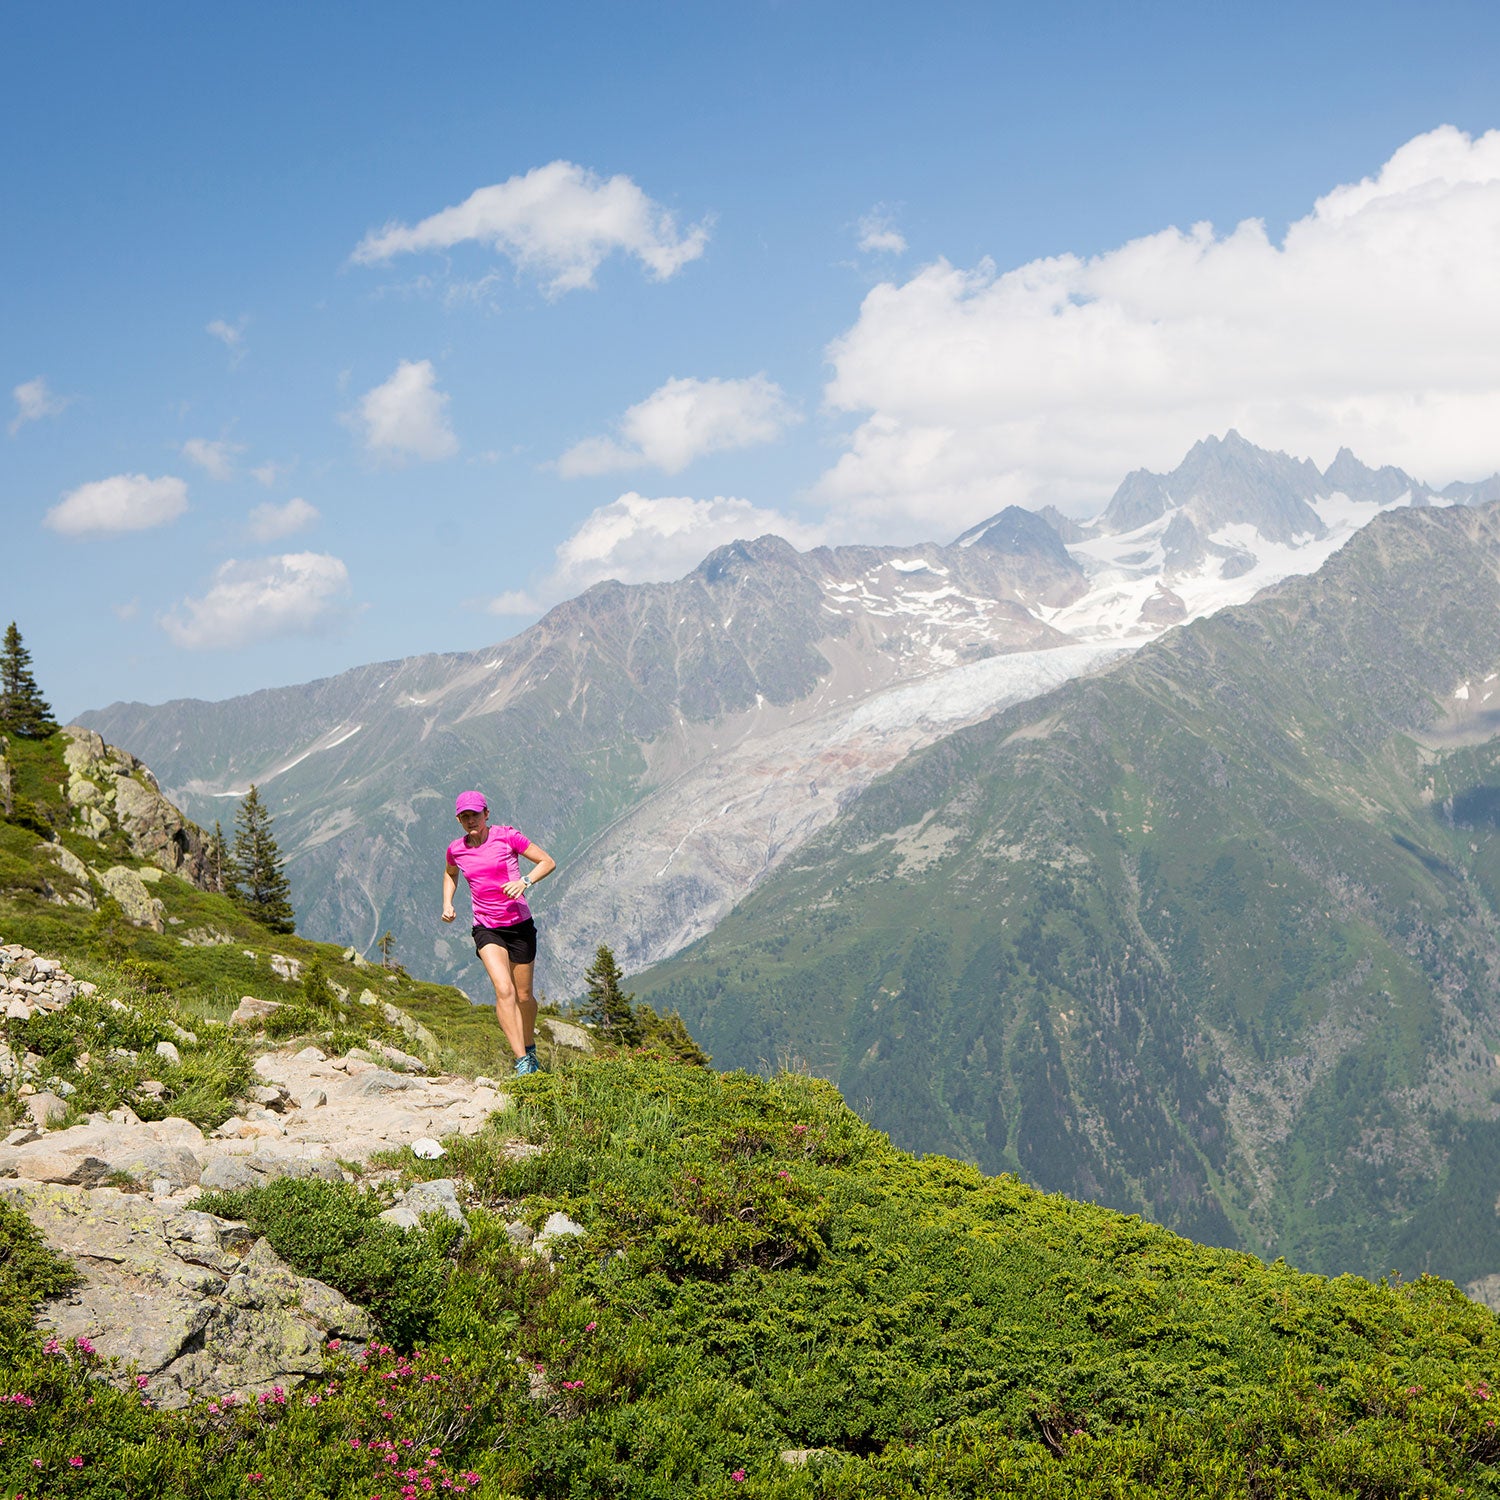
(738, 1476)
(333, 1344)
(142, 1381)
(85, 1347)
(75, 1463)
(591, 1327)
(51, 1347)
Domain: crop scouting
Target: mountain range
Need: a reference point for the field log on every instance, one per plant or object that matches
(1213, 934)
(672, 743)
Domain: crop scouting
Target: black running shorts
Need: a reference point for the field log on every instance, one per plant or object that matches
(518, 941)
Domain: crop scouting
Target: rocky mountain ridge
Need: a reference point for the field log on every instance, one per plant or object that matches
(673, 743)
(1212, 934)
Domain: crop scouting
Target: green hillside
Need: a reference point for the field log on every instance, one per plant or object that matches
(761, 1296)
(1211, 936)
(770, 1300)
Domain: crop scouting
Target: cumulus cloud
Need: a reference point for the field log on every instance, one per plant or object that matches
(296, 593)
(878, 235)
(558, 222)
(406, 416)
(1374, 322)
(231, 335)
(215, 458)
(637, 539)
(124, 502)
(35, 399)
(269, 523)
(683, 420)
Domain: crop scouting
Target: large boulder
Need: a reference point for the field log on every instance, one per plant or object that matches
(106, 785)
(195, 1303)
(141, 908)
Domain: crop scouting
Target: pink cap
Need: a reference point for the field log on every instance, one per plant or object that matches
(471, 802)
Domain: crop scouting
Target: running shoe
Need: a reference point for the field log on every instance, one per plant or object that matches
(527, 1064)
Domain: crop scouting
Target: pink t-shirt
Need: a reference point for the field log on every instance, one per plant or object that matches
(489, 867)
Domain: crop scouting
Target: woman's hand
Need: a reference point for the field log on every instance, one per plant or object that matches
(448, 914)
(515, 889)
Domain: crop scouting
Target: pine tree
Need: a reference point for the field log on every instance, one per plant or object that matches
(217, 860)
(607, 1006)
(258, 883)
(23, 710)
(387, 946)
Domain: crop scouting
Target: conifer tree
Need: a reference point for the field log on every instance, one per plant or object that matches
(387, 946)
(259, 884)
(23, 710)
(607, 1006)
(217, 859)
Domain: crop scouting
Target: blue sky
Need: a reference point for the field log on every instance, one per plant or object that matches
(850, 272)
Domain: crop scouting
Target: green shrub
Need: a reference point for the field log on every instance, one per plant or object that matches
(332, 1231)
(30, 1273)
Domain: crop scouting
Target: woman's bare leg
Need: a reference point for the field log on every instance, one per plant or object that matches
(496, 961)
(525, 1001)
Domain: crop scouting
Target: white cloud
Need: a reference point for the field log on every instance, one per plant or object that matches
(294, 594)
(641, 540)
(878, 235)
(35, 399)
(231, 335)
(268, 473)
(215, 458)
(1375, 322)
(407, 416)
(683, 420)
(124, 502)
(269, 523)
(558, 222)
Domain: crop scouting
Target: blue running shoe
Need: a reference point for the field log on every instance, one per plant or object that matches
(527, 1064)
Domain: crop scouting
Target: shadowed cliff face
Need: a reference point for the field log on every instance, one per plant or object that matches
(1213, 934)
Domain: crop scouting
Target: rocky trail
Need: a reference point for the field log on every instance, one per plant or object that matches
(193, 1303)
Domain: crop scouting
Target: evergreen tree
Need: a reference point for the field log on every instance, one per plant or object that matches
(316, 989)
(23, 710)
(217, 860)
(387, 946)
(258, 883)
(607, 1006)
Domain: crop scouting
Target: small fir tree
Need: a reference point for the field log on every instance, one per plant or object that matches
(606, 1005)
(217, 860)
(259, 884)
(387, 946)
(23, 710)
(316, 989)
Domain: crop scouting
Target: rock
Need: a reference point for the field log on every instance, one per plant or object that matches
(17, 1009)
(174, 1131)
(310, 1055)
(438, 1196)
(428, 1149)
(124, 1115)
(520, 1235)
(140, 907)
(169, 1051)
(378, 1081)
(311, 1098)
(70, 1168)
(46, 1109)
(23, 1135)
(289, 969)
(150, 1162)
(153, 1086)
(559, 1227)
(368, 997)
(412, 1028)
(250, 1009)
(269, 1095)
(235, 1173)
(404, 1061)
(1486, 1290)
(173, 1293)
(565, 1035)
(798, 1457)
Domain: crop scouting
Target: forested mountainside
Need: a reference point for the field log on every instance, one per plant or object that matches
(1212, 935)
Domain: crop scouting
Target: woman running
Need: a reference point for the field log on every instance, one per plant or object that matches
(504, 933)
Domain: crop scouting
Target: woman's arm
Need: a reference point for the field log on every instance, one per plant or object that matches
(450, 885)
(545, 865)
